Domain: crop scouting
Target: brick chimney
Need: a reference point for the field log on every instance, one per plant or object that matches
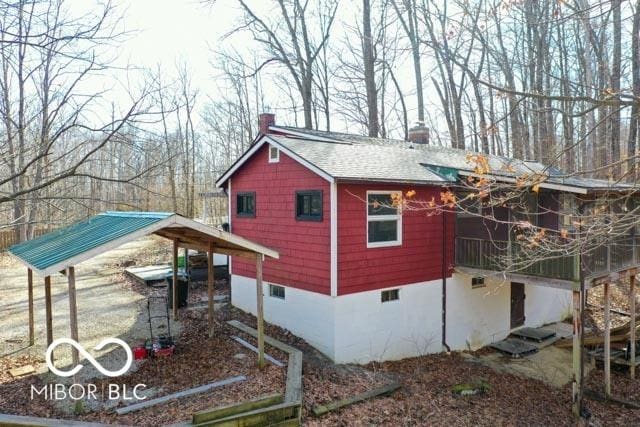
(265, 120)
(419, 134)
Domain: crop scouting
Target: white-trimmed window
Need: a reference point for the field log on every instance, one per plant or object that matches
(274, 154)
(384, 221)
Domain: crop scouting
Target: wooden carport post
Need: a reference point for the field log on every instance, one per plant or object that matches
(73, 315)
(31, 325)
(607, 340)
(174, 293)
(49, 315)
(260, 310)
(632, 330)
(210, 282)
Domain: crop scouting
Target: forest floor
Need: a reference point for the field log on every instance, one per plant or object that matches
(425, 396)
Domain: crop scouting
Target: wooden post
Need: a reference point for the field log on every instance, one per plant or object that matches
(607, 340)
(31, 321)
(632, 331)
(73, 314)
(577, 354)
(210, 283)
(49, 316)
(260, 310)
(174, 294)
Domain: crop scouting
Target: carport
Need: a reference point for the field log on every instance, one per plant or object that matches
(61, 250)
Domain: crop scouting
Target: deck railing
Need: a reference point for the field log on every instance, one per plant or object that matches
(498, 255)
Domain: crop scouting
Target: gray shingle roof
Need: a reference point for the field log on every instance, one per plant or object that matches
(357, 157)
(363, 157)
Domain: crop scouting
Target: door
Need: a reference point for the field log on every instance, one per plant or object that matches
(517, 304)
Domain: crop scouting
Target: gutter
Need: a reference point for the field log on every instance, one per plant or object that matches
(444, 281)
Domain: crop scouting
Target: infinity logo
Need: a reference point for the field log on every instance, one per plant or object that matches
(90, 358)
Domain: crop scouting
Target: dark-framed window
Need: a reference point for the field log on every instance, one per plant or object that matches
(390, 295)
(477, 282)
(246, 204)
(309, 205)
(276, 291)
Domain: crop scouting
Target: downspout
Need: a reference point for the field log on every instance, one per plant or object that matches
(444, 281)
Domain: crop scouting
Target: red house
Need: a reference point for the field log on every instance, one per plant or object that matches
(360, 280)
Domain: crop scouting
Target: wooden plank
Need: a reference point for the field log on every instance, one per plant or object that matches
(73, 317)
(22, 370)
(607, 339)
(237, 408)
(49, 314)
(255, 350)
(178, 395)
(622, 402)
(632, 329)
(319, 410)
(174, 295)
(260, 310)
(259, 417)
(254, 333)
(31, 314)
(293, 389)
(210, 284)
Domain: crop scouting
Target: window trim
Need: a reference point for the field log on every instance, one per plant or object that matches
(397, 294)
(255, 206)
(397, 217)
(308, 217)
(271, 294)
(274, 159)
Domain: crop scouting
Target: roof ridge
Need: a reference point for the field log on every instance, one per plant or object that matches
(137, 214)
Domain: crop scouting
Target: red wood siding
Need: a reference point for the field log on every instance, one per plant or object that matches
(418, 259)
(304, 246)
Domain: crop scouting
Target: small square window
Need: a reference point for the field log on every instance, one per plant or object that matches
(276, 291)
(477, 282)
(246, 204)
(274, 154)
(390, 295)
(309, 205)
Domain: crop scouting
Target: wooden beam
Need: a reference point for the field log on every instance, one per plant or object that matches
(260, 310)
(632, 324)
(73, 317)
(174, 294)
(210, 285)
(49, 315)
(577, 355)
(31, 321)
(607, 339)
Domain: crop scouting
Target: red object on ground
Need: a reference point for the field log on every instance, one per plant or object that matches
(139, 353)
(165, 352)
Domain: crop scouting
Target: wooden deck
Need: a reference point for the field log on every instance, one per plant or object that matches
(496, 255)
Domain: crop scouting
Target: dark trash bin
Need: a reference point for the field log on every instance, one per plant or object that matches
(183, 290)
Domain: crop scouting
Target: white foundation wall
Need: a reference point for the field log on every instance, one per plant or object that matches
(367, 329)
(308, 315)
(481, 316)
(476, 317)
(356, 328)
(543, 305)
(359, 328)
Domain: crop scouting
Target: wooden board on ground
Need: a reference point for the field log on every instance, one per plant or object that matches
(255, 350)
(22, 371)
(319, 410)
(237, 408)
(275, 414)
(178, 395)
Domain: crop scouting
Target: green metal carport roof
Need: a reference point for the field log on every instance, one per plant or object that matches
(68, 246)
